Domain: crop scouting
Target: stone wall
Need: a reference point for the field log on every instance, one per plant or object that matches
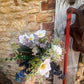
(28, 16)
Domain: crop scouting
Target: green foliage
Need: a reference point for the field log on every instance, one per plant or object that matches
(11, 59)
(31, 53)
(1, 60)
(6, 59)
(43, 40)
(24, 49)
(56, 42)
(14, 45)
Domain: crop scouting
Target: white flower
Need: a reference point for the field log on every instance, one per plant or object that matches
(57, 49)
(22, 38)
(47, 75)
(31, 37)
(45, 67)
(40, 33)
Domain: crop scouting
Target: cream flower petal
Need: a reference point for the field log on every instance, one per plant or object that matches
(40, 33)
(47, 75)
(22, 38)
(57, 49)
(45, 67)
(47, 60)
(31, 37)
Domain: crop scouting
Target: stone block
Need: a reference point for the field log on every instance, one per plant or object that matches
(4, 39)
(4, 46)
(48, 26)
(33, 27)
(32, 3)
(18, 25)
(6, 4)
(50, 4)
(16, 8)
(5, 10)
(19, 15)
(31, 18)
(33, 0)
(33, 11)
(4, 23)
(4, 0)
(5, 34)
(44, 17)
(3, 29)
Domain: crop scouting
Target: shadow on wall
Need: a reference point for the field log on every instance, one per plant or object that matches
(4, 79)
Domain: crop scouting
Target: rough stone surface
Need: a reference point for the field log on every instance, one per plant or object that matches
(31, 18)
(33, 27)
(4, 1)
(34, 10)
(4, 79)
(48, 26)
(19, 15)
(16, 20)
(44, 17)
(49, 5)
(5, 4)
(4, 10)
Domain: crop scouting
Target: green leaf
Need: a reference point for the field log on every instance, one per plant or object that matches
(36, 59)
(11, 59)
(6, 59)
(25, 49)
(15, 58)
(33, 64)
(1, 60)
(14, 45)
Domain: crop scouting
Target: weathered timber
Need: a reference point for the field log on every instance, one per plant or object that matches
(60, 25)
(56, 80)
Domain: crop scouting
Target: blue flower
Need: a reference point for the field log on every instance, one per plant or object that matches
(19, 76)
(16, 77)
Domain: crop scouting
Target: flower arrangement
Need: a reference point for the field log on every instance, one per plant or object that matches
(35, 53)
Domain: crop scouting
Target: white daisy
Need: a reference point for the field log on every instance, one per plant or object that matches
(57, 49)
(22, 38)
(31, 38)
(40, 33)
(45, 67)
